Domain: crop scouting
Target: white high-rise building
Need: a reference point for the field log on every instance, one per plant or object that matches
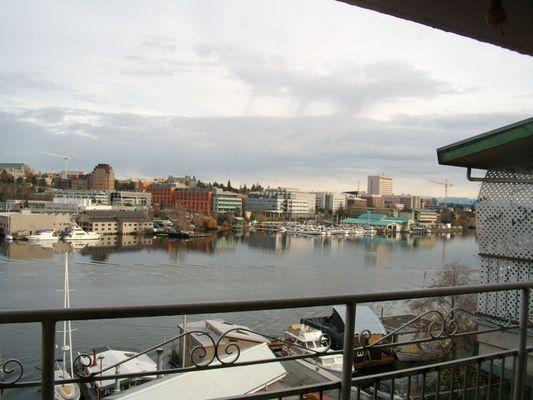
(380, 185)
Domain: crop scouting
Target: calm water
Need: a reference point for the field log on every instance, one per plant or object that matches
(131, 270)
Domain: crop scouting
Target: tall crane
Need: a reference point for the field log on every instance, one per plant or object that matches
(446, 185)
(65, 157)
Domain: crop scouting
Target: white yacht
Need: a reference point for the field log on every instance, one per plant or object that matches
(46, 236)
(305, 339)
(76, 233)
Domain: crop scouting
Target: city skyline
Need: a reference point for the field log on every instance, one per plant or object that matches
(314, 95)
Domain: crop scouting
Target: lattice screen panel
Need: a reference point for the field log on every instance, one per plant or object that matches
(504, 222)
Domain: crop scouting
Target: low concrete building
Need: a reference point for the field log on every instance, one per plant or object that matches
(27, 223)
(110, 222)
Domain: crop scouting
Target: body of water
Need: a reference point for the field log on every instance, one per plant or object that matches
(134, 270)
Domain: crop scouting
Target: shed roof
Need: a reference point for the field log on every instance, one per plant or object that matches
(214, 383)
(509, 146)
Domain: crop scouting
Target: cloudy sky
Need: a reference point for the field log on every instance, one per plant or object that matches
(309, 94)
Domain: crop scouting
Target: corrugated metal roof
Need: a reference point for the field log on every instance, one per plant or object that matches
(208, 384)
(365, 319)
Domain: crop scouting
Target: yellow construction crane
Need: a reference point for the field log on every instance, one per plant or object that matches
(446, 185)
(64, 157)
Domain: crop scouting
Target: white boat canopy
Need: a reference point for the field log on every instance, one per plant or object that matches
(365, 319)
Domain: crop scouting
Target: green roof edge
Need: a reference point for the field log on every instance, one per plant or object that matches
(506, 134)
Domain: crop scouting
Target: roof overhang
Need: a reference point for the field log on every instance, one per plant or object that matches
(465, 18)
(507, 147)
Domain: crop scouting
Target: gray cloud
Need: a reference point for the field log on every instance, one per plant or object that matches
(242, 148)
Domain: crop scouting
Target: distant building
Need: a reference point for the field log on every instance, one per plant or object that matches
(379, 185)
(102, 178)
(110, 222)
(224, 202)
(27, 223)
(165, 193)
(195, 200)
(15, 170)
(381, 221)
(429, 203)
(282, 202)
(424, 217)
(374, 201)
(85, 197)
(402, 202)
(131, 199)
(329, 201)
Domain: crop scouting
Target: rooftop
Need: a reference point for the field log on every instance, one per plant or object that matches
(510, 146)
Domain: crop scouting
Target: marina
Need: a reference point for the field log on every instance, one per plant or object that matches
(135, 270)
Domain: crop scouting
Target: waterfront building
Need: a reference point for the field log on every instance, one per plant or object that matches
(15, 170)
(379, 185)
(504, 226)
(381, 221)
(224, 202)
(109, 222)
(102, 178)
(164, 193)
(27, 223)
(282, 202)
(424, 217)
(195, 200)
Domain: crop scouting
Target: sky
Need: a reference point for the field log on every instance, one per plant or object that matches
(311, 94)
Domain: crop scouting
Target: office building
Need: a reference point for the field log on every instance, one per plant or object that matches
(15, 170)
(27, 223)
(379, 185)
(224, 202)
(110, 222)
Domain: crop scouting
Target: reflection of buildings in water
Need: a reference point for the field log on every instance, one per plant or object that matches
(25, 251)
(22, 250)
(269, 241)
(115, 243)
(177, 247)
(377, 250)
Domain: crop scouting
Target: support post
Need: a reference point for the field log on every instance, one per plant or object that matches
(347, 352)
(47, 359)
(521, 362)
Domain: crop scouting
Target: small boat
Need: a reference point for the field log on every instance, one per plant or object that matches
(304, 339)
(76, 234)
(43, 236)
(8, 237)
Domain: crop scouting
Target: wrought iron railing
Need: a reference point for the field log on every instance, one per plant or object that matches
(499, 375)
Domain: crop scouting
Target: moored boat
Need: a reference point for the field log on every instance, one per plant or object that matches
(43, 236)
(303, 339)
(77, 234)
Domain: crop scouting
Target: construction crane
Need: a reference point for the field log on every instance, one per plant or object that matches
(446, 185)
(66, 158)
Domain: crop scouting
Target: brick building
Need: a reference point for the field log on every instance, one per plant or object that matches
(102, 178)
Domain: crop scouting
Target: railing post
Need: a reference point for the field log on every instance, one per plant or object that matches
(47, 359)
(521, 362)
(347, 352)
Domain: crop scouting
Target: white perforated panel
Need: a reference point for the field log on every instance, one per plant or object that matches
(504, 222)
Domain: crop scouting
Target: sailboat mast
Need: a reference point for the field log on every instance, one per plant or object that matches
(65, 302)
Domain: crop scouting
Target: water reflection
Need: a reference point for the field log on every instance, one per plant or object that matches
(375, 251)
